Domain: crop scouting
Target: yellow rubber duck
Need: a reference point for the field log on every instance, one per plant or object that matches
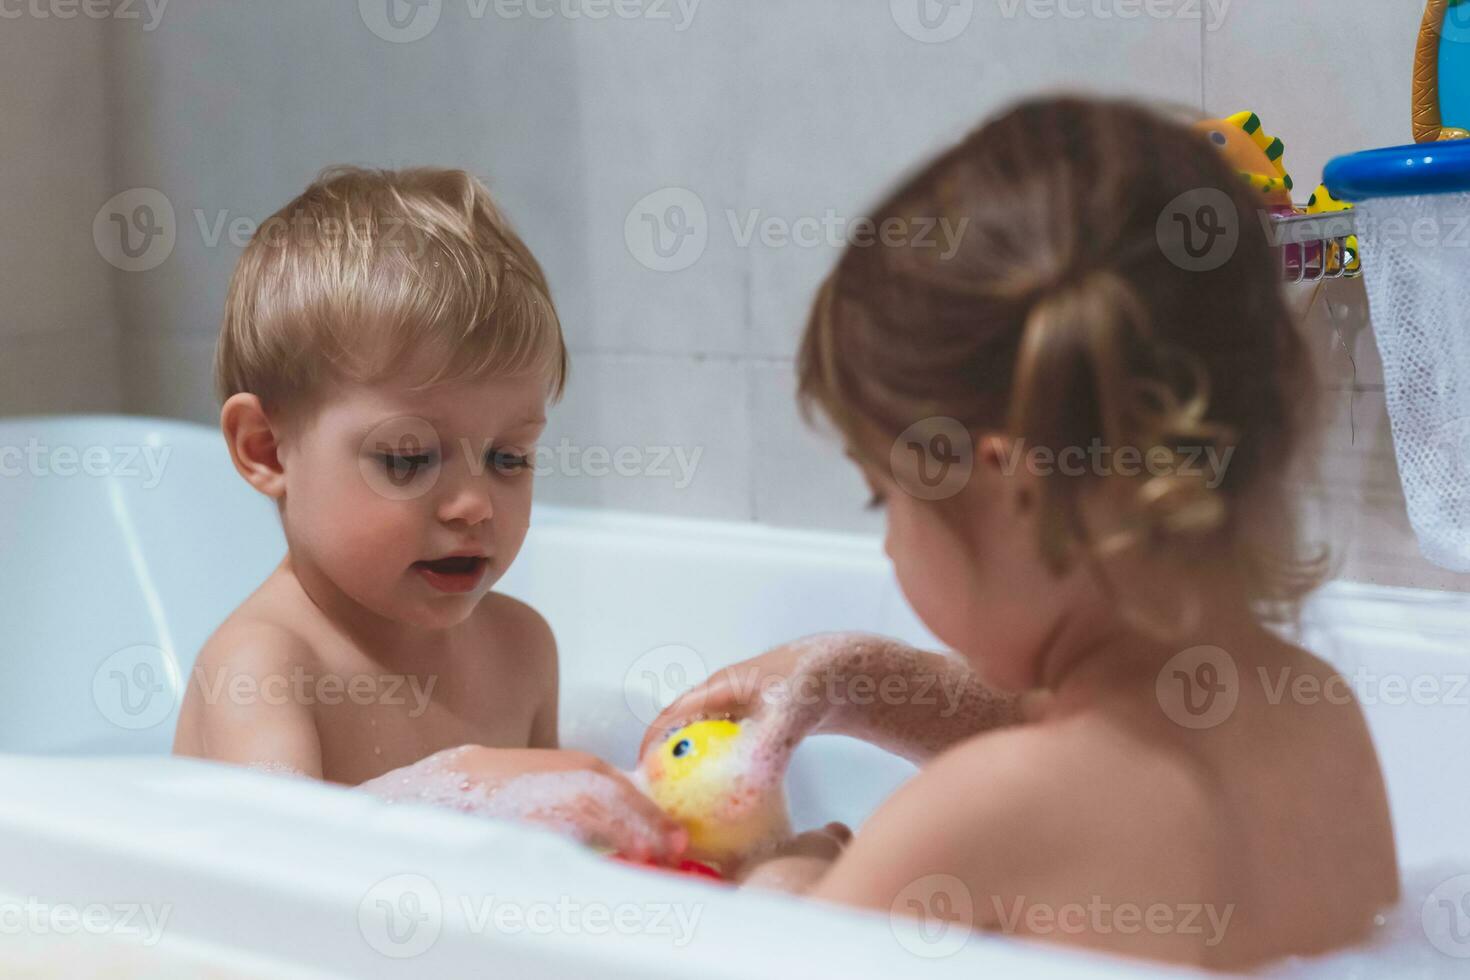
(717, 779)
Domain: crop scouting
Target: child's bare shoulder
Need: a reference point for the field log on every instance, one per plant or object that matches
(238, 705)
(1041, 807)
(264, 634)
(513, 618)
(1087, 777)
(520, 635)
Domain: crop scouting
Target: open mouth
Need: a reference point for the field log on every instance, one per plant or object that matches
(459, 574)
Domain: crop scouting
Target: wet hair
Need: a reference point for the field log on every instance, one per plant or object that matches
(1066, 314)
(369, 269)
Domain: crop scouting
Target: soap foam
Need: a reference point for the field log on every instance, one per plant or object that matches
(1407, 945)
(590, 807)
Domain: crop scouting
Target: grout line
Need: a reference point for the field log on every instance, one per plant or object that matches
(1203, 100)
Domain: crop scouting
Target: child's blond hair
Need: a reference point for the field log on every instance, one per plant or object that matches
(368, 269)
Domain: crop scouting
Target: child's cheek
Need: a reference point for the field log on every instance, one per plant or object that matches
(932, 571)
(358, 531)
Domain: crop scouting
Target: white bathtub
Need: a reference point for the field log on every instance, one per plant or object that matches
(110, 583)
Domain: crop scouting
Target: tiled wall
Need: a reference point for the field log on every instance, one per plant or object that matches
(58, 333)
(737, 110)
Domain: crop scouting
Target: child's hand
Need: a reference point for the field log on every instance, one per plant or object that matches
(573, 792)
(734, 692)
(911, 702)
(797, 864)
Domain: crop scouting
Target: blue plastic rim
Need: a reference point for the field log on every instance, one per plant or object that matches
(1401, 171)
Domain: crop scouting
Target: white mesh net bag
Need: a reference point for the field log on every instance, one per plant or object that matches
(1416, 265)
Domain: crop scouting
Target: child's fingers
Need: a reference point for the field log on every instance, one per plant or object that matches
(719, 695)
(825, 844)
(613, 814)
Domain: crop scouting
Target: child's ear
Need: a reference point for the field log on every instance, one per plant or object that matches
(1003, 462)
(253, 445)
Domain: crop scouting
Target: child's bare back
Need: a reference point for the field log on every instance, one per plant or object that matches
(1106, 823)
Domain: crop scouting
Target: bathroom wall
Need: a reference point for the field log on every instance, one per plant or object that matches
(747, 133)
(58, 331)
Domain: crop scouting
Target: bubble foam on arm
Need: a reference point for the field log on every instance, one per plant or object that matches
(574, 794)
(910, 702)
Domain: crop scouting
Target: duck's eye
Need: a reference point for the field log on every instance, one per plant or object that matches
(1218, 137)
(681, 748)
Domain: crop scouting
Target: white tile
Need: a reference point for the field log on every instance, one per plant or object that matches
(303, 87)
(1356, 458)
(847, 103)
(1339, 332)
(664, 112)
(54, 155)
(681, 422)
(1327, 78)
(59, 372)
(802, 477)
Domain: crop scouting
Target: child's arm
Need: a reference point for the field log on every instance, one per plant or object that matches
(911, 702)
(256, 724)
(575, 793)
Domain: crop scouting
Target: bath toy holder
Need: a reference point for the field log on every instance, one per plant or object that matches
(1306, 242)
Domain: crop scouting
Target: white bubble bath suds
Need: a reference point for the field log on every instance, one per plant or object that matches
(1426, 936)
(277, 769)
(590, 807)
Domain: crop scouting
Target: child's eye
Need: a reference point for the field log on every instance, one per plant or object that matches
(505, 461)
(878, 501)
(402, 468)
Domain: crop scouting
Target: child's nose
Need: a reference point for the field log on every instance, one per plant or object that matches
(470, 501)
